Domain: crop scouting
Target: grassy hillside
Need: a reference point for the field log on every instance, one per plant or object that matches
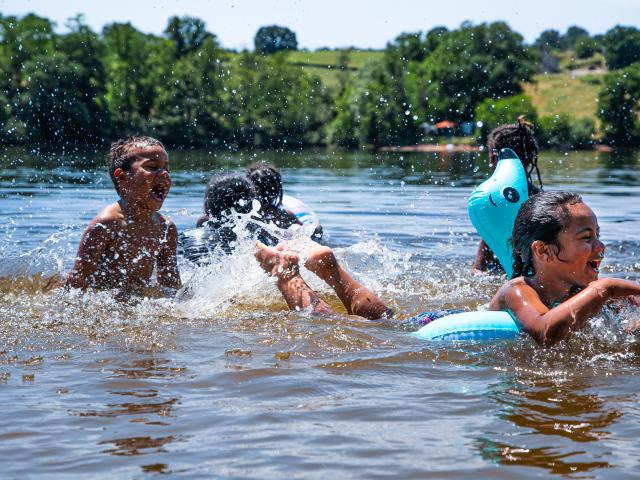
(573, 91)
(326, 64)
(567, 92)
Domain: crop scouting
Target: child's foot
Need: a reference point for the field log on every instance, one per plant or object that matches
(277, 262)
(321, 261)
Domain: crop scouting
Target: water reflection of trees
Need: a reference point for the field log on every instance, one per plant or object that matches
(560, 427)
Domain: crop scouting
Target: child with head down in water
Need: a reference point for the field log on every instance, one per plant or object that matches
(555, 289)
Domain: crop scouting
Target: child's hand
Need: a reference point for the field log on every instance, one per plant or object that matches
(277, 261)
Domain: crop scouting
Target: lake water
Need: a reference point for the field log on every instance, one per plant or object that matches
(227, 383)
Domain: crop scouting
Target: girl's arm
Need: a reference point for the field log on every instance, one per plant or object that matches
(548, 326)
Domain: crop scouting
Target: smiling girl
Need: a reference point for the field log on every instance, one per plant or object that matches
(557, 254)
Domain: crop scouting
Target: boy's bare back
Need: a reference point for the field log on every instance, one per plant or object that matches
(122, 245)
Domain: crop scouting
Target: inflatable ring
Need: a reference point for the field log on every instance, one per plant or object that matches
(494, 204)
(479, 326)
(304, 214)
(301, 210)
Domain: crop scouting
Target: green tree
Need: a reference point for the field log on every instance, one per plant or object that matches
(374, 109)
(83, 47)
(491, 113)
(549, 40)
(187, 34)
(563, 132)
(134, 63)
(52, 107)
(274, 105)
(619, 102)
(191, 106)
(621, 46)
(586, 47)
(274, 39)
(469, 65)
(409, 47)
(433, 38)
(572, 36)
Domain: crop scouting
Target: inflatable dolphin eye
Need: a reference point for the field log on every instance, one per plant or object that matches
(494, 204)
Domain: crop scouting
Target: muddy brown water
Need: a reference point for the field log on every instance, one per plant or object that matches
(225, 383)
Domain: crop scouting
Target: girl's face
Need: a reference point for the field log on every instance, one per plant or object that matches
(581, 251)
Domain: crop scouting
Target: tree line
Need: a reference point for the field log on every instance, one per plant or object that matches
(182, 86)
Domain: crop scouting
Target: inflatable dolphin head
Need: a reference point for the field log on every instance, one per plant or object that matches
(494, 204)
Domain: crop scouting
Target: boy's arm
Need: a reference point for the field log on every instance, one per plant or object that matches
(93, 243)
(168, 274)
(548, 326)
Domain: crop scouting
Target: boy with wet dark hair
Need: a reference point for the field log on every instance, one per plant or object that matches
(128, 239)
(267, 182)
(227, 197)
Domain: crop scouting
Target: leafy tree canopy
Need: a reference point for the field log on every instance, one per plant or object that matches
(548, 40)
(274, 38)
(469, 65)
(621, 46)
(619, 102)
(187, 34)
(572, 36)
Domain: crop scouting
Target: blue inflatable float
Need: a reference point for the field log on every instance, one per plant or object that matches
(484, 326)
(494, 204)
(493, 207)
(304, 214)
(301, 210)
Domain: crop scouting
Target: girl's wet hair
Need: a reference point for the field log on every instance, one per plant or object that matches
(119, 155)
(519, 138)
(267, 182)
(541, 217)
(226, 192)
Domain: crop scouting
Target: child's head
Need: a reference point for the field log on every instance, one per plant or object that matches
(268, 183)
(519, 138)
(557, 230)
(139, 169)
(226, 192)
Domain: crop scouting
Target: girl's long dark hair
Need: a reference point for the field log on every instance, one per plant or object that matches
(541, 217)
(519, 138)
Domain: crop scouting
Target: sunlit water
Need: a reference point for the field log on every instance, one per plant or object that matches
(224, 382)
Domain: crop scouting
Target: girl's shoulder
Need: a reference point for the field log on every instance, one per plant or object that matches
(513, 290)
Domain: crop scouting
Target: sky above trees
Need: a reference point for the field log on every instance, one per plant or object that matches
(336, 23)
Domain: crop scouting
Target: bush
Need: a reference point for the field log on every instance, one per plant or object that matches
(506, 110)
(586, 47)
(621, 46)
(619, 100)
(557, 131)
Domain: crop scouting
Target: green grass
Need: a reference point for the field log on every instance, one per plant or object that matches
(325, 64)
(357, 58)
(557, 93)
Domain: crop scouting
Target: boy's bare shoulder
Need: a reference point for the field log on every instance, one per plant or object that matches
(110, 216)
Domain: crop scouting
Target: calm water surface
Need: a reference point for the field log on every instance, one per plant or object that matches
(225, 382)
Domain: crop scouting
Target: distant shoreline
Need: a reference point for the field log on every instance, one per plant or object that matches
(432, 148)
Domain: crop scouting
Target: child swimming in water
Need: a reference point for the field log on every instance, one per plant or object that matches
(518, 137)
(127, 240)
(226, 197)
(267, 182)
(268, 185)
(555, 290)
(557, 254)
